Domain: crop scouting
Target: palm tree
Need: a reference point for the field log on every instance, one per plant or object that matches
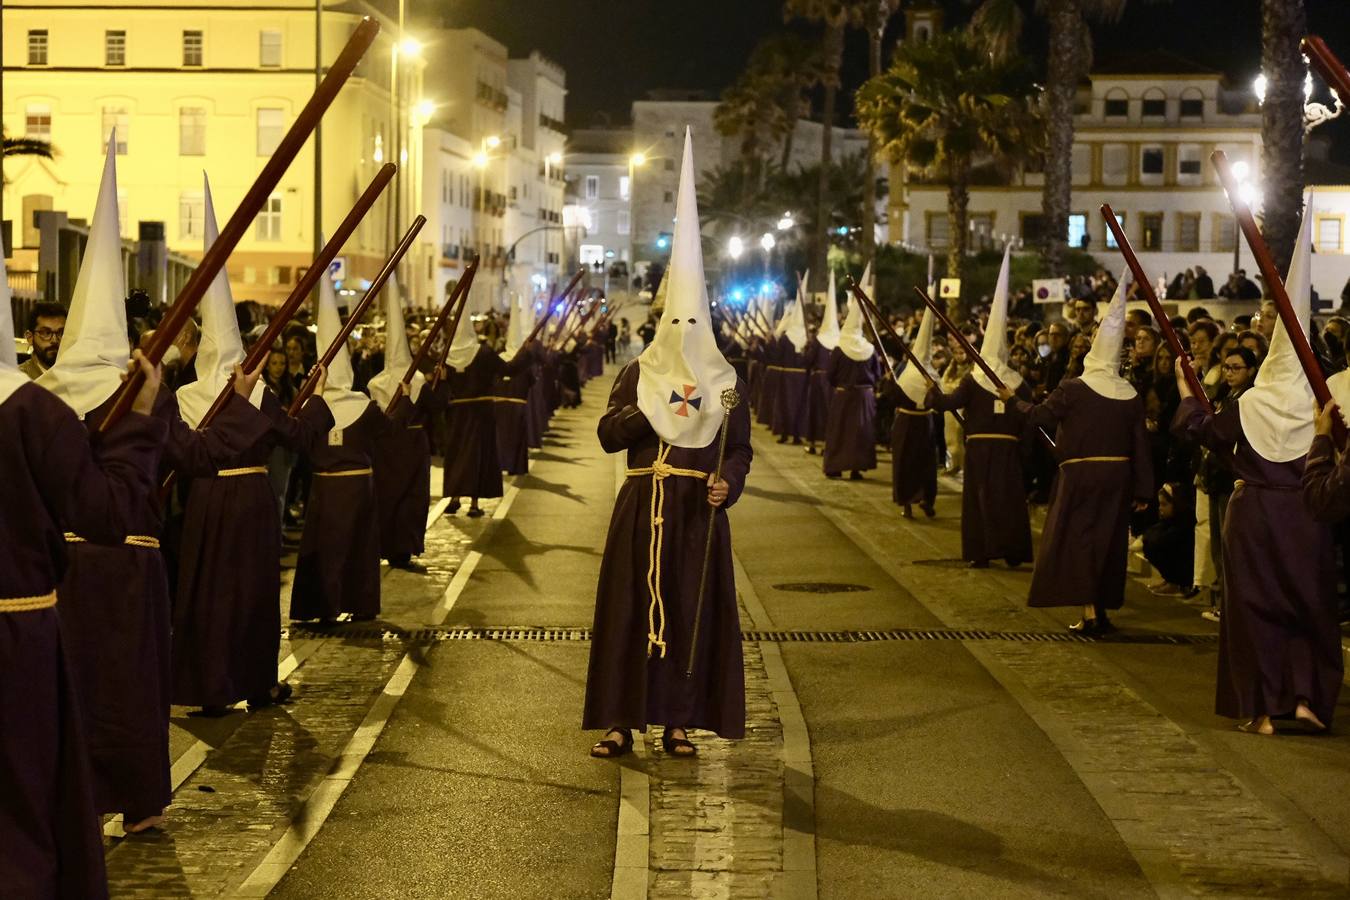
(876, 15)
(835, 15)
(763, 105)
(1283, 24)
(944, 106)
(26, 146)
(1067, 64)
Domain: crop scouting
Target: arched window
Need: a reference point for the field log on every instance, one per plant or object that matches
(1192, 104)
(1155, 104)
(1117, 105)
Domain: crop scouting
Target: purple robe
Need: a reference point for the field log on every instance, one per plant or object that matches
(1278, 636)
(625, 687)
(472, 468)
(338, 567)
(789, 411)
(51, 843)
(226, 620)
(850, 441)
(1105, 464)
(819, 391)
(402, 461)
(509, 409)
(768, 384)
(994, 519)
(116, 613)
(913, 450)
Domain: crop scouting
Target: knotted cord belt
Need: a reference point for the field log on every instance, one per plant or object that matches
(786, 369)
(1079, 459)
(1243, 482)
(925, 412)
(995, 437)
(27, 604)
(344, 472)
(245, 470)
(132, 540)
(660, 470)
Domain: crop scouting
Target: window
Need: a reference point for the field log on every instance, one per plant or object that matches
(625, 185)
(1117, 105)
(937, 230)
(1033, 227)
(1188, 164)
(268, 224)
(37, 121)
(269, 49)
(191, 215)
(1151, 163)
(621, 224)
(37, 47)
(1078, 233)
(982, 231)
(1329, 235)
(192, 131)
(1111, 238)
(669, 197)
(1188, 232)
(1082, 164)
(1115, 164)
(670, 164)
(1151, 225)
(269, 130)
(1225, 234)
(116, 117)
(192, 48)
(592, 187)
(114, 48)
(1155, 104)
(1192, 104)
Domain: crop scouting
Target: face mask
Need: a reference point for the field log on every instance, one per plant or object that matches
(1043, 350)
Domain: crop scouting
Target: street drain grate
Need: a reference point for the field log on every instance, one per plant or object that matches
(377, 634)
(821, 587)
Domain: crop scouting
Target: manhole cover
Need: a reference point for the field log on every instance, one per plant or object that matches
(821, 587)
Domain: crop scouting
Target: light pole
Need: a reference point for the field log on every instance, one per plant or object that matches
(1250, 194)
(635, 160)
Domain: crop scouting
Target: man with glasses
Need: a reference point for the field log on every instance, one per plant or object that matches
(46, 325)
(1085, 315)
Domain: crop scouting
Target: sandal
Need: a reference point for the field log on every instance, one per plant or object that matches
(612, 749)
(1255, 727)
(677, 746)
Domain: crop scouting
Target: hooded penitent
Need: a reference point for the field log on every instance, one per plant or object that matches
(1277, 411)
(521, 324)
(682, 375)
(464, 346)
(346, 404)
(1101, 366)
(397, 353)
(828, 333)
(911, 380)
(852, 340)
(95, 349)
(11, 379)
(994, 348)
(221, 348)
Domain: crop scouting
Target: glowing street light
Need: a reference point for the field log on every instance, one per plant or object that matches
(735, 247)
(425, 109)
(637, 159)
(555, 158)
(767, 242)
(786, 222)
(480, 159)
(410, 47)
(492, 141)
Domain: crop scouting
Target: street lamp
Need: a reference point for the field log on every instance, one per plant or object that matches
(786, 222)
(425, 110)
(1249, 194)
(635, 159)
(767, 242)
(410, 47)
(735, 247)
(1314, 114)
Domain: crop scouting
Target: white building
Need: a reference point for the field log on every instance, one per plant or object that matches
(1144, 131)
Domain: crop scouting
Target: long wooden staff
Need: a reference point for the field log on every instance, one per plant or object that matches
(873, 315)
(213, 260)
(1159, 314)
(345, 331)
(563, 317)
(454, 303)
(538, 326)
(584, 316)
(467, 283)
(973, 353)
(730, 399)
(1275, 284)
(1327, 64)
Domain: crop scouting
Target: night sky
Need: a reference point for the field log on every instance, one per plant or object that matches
(616, 50)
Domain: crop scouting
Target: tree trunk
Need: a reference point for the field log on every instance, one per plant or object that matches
(1283, 23)
(1063, 71)
(834, 51)
(958, 228)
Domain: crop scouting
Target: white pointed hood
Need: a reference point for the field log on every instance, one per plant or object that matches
(994, 347)
(521, 324)
(911, 380)
(682, 374)
(95, 349)
(346, 404)
(853, 338)
(464, 345)
(795, 320)
(828, 333)
(397, 354)
(1101, 366)
(221, 347)
(1277, 411)
(11, 379)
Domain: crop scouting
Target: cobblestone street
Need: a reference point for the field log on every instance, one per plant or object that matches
(912, 730)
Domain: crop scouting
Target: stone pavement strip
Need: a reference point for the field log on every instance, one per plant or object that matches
(1194, 827)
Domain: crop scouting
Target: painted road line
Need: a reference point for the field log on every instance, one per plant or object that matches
(437, 509)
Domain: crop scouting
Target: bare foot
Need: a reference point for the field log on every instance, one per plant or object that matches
(1259, 725)
(1308, 718)
(144, 824)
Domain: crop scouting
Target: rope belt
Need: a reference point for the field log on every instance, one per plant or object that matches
(994, 437)
(923, 412)
(786, 369)
(1079, 459)
(416, 427)
(346, 472)
(246, 470)
(660, 470)
(508, 399)
(464, 400)
(27, 604)
(1240, 482)
(132, 540)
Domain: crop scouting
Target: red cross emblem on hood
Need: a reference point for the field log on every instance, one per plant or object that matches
(687, 400)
